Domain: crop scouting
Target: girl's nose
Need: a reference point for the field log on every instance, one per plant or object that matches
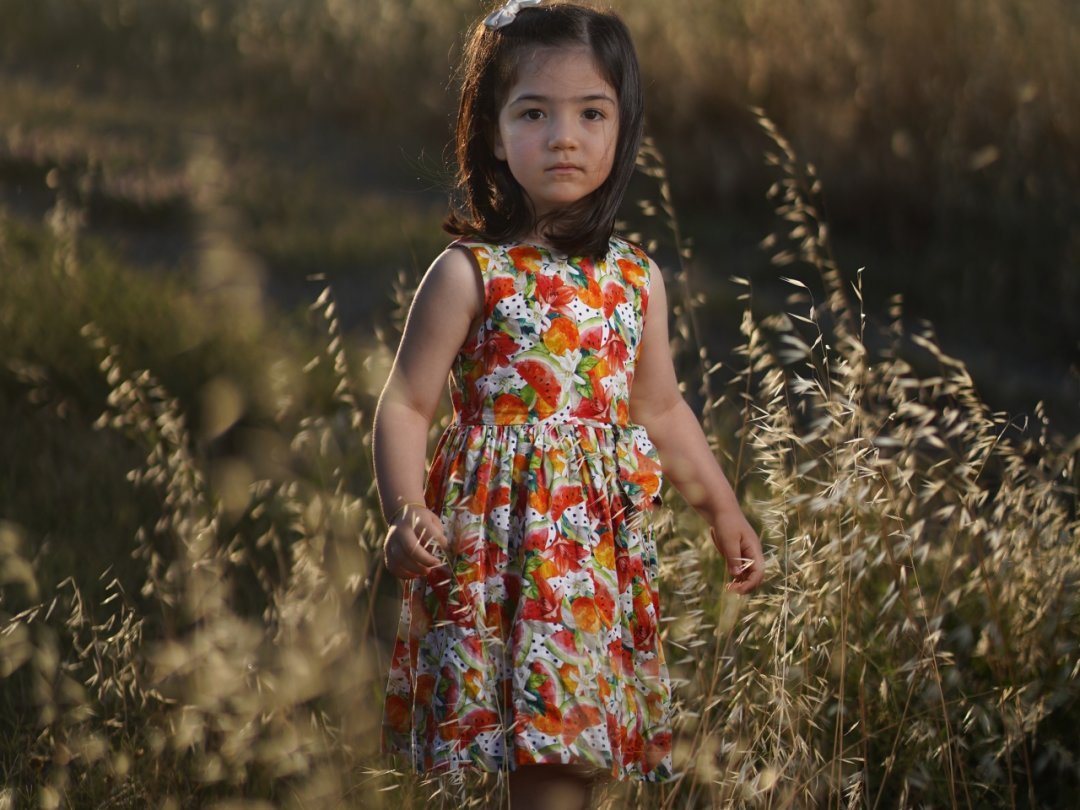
(562, 136)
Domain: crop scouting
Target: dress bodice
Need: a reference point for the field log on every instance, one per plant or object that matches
(559, 336)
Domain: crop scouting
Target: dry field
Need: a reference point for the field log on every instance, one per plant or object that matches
(193, 609)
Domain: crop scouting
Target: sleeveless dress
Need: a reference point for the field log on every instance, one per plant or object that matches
(538, 640)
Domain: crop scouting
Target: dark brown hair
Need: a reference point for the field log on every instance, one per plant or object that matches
(488, 202)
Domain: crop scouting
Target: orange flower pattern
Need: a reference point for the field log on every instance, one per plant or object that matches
(538, 639)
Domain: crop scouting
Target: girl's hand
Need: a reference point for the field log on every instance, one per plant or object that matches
(739, 543)
(657, 403)
(415, 533)
(447, 309)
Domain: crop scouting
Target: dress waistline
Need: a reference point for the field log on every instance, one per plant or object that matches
(545, 423)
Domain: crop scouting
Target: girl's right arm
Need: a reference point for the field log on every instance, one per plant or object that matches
(657, 403)
(446, 310)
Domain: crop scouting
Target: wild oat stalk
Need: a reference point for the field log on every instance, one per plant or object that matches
(901, 652)
(915, 644)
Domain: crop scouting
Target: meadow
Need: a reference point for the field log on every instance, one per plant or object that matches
(210, 226)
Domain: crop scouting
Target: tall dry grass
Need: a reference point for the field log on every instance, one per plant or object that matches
(916, 643)
(925, 558)
(947, 133)
(978, 99)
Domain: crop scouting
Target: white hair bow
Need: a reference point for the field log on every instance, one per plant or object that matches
(508, 13)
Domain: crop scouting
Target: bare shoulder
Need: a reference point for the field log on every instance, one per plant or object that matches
(655, 390)
(454, 265)
(454, 279)
(656, 275)
(657, 291)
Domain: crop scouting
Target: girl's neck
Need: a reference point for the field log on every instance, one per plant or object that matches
(538, 241)
(543, 244)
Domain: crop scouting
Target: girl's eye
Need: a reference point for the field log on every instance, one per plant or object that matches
(594, 115)
(533, 115)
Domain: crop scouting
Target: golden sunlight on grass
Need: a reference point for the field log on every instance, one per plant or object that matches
(915, 643)
(194, 610)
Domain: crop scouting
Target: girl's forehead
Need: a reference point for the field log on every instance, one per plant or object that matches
(559, 65)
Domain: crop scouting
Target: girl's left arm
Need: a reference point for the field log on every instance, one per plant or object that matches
(658, 405)
(446, 309)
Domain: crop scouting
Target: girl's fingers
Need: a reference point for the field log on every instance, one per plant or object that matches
(397, 562)
(742, 553)
(409, 546)
(428, 528)
(750, 569)
(423, 557)
(747, 578)
(408, 564)
(408, 570)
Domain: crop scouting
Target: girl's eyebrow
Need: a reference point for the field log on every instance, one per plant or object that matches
(545, 99)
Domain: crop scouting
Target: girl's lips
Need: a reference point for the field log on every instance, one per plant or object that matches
(564, 168)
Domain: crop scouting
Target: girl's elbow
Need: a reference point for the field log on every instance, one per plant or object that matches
(652, 415)
(400, 393)
(396, 403)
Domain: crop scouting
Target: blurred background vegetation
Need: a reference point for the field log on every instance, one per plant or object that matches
(947, 136)
(189, 175)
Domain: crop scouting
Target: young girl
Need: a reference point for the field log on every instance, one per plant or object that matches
(529, 634)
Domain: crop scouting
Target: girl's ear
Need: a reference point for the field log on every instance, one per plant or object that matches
(497, 145)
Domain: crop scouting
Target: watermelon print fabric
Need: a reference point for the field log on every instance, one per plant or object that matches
(538, 640)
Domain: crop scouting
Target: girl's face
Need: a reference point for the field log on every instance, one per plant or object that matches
(558, 127)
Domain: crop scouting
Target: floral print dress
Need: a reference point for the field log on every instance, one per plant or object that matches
(538, 640)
